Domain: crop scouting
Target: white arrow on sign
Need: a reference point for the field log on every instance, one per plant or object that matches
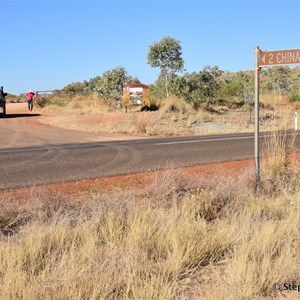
(279, 57)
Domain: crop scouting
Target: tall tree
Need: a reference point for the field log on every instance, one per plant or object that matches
(166, 54)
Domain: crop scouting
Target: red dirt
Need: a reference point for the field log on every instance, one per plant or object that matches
(136, 181)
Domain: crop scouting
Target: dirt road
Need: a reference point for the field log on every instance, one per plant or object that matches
(21, 128)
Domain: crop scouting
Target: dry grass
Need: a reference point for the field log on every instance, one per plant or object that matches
(79, 105)
(279, 164)
(176, 239)
(140, 122)
(265, 254)
(277, 152)
(175, 117)
(271, 100)
(174, 104)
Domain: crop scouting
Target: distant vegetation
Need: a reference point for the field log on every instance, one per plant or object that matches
(206, 88)
(210, 85)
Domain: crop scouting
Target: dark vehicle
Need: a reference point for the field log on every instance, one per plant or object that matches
(2, 102)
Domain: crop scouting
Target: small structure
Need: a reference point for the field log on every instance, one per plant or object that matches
(2, 102)
(136, 91)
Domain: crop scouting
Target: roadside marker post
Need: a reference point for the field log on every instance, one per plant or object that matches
(267, 59)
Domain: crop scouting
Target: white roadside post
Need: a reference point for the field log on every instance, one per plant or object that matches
(296, 121)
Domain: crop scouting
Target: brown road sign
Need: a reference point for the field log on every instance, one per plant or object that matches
(279, 57)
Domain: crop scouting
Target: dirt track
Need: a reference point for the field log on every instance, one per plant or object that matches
(21, 128)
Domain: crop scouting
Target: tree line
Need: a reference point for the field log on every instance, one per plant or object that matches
(209, 85)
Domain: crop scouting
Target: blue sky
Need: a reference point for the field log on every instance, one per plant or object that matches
(49, 44)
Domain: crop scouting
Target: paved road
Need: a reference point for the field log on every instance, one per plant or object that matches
(49, 162)
(70, 162)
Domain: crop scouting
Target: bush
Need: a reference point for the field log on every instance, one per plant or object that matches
(140, 122)
(43, 101)
(175, 104)
(279, 169)
(294, 97)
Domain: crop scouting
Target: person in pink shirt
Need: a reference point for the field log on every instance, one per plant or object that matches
(29, 95)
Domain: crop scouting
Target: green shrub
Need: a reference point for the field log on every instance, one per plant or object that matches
(294, 97)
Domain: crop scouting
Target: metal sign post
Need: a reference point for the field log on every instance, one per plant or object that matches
(265, 59)
(256, 136)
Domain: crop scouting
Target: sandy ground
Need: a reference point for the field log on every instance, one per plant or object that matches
(22, 128)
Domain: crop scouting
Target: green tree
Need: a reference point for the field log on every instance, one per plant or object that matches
(294, 93)
(203, 85)
(166, 54)
(76, 87)
(110, 85)
(237, 87)
(91, 88)
(157, 90)
(277, 79)
(179, 86)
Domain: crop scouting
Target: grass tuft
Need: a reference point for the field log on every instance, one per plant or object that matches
(174, 104)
